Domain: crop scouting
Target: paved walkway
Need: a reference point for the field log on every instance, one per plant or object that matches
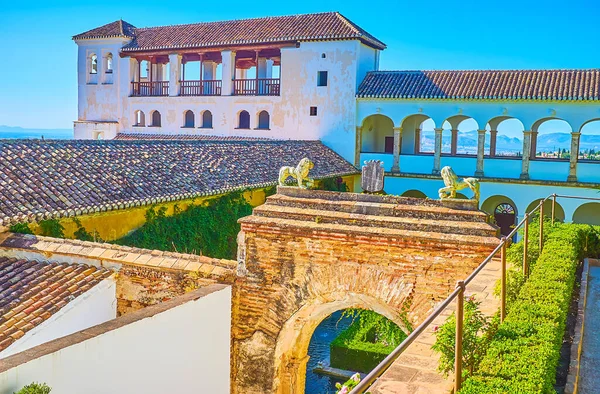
(415, 371)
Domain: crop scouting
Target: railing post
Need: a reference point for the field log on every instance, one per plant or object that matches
(503, 280)
(525, 245)
(541, 225)
(460, 305)
(553, 207)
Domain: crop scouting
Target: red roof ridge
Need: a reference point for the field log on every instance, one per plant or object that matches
(237, 20)
(485, 70)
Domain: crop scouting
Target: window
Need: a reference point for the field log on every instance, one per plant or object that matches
(94, 64)
(188, 119)
(263, 120)
(313, 111)
(244, 120)
(322, 78)
(140, 118)
(155, 119)
(323, 56)
(207, 120)
(109, 63)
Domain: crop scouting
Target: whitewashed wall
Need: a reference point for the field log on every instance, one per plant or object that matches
(93, 307)
(182, 350)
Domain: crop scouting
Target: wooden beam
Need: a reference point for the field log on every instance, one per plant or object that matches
(206, 50)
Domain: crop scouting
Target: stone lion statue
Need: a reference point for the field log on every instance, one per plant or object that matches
(300, 173)
(453, 184)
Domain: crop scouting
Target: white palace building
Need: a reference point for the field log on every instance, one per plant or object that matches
(317, 77)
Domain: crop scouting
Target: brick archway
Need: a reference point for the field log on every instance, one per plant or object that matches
(305, 254)
(291, 352)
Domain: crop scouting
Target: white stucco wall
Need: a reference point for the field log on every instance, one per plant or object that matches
(95, 306)
(182, 350)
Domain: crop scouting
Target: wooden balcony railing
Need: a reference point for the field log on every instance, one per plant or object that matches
(256, 87)
(201, 88)
(155, 88)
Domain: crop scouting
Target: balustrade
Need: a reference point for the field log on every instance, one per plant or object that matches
(256, 87)
(155, 88)
(201, 88)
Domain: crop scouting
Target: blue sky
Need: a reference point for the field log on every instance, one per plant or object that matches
(38, 88)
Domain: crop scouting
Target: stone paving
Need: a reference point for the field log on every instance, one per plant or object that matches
(415, 371)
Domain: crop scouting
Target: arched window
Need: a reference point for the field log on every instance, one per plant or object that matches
(189, 119)
(109, 63)
(244, 120)
(156, 119)
(207, 120)
(93, 64)
(263, 120)
(140, 118)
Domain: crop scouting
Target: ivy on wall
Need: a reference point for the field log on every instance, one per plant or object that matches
(208, 229)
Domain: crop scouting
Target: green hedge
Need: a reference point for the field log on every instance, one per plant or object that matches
(363, 345)
(524, 353)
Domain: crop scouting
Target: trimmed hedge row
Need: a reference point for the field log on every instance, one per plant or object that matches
(524, 353)
(355, 349)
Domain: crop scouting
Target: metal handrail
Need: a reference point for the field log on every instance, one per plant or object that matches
(458, 292)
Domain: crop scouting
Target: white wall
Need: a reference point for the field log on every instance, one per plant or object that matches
(95, 306)
(182, 350)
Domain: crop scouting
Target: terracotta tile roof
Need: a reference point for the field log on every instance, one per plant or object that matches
(183, 137)
(118, 28)
(32, 291)
(45, 179)
(279, 29)
(535, 85)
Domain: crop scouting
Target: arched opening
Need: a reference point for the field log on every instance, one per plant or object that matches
(551, 139)
(293, 341)
(207, 120)
(426, 141)
(559, 211)
(244, 120)
(139, 119)
(263, 120)
(589, 141)
(188, 121)
(503, 210)
(414, 194)
(505, 137)
(345, 340)
(156, 119)
(94, 64)
(377, 135)
(588, 213)
(460, 136)
(109, 63)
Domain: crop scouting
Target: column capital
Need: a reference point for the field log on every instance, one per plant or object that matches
(438, 129)
(527, 132)
(575, 133)
(481, 131)
(493, 131)
(454, 130)
(399, 129)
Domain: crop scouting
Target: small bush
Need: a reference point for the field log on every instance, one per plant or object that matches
(20, 228)
(51, 228)
(35, 388)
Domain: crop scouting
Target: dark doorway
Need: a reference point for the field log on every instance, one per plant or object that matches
(505, 217)
(389, 145)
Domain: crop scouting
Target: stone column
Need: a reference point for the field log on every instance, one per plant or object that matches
(480, 152)
(526, 154)
(493, 137)
(397, 142)
(358, 147)
(417, 140)
(175, 74)
(269, 68)
(209, 70)
(454, 142)
(228, 72)
(575, 137)
(437, 156)
(533, 145)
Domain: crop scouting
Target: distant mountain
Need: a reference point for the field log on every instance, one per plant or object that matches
(8, 132)
(467, 142)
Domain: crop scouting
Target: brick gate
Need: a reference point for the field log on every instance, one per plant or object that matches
(306, 254)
